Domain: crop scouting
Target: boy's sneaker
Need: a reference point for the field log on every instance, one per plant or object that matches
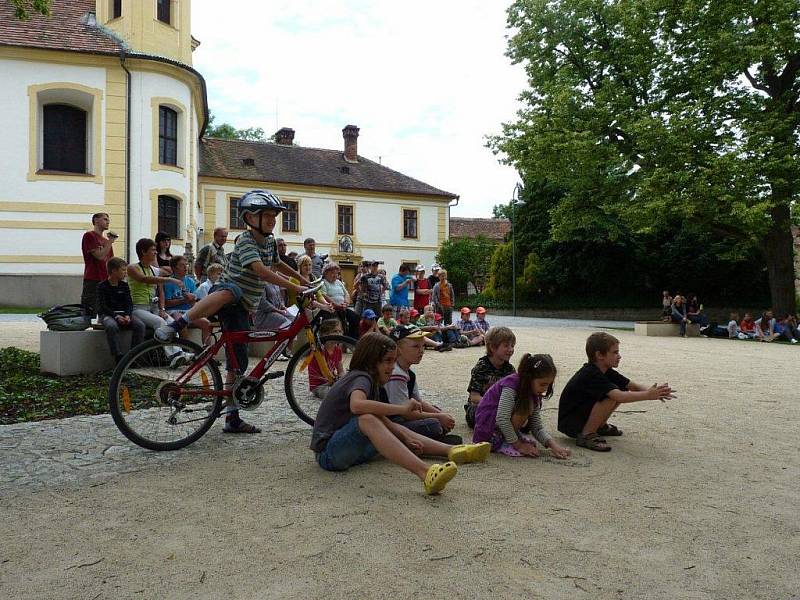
(165, 333)
(180, 359)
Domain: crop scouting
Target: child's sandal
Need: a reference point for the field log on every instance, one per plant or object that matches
(607, 429)
(509, 450)
(469, 453)
(438, 476)
(592, 441)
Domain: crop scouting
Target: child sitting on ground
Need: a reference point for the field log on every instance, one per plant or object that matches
(406, 316)
(733, 328)
(402, 387)
(748, 326)
(468, 328)
(332, 351)
(480, 320)
(386, 323)
(514, 402)
(490, 368)
(596, 391)
(353, 424)
(237, 294)
(213, 274)
(368, 322)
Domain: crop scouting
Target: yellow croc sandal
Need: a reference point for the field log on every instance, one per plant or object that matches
(468, 453)
(438, 476)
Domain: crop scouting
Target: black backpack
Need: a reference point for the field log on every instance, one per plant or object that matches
(66, 317)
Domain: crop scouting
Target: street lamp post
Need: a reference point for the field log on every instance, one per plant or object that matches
(514, 202)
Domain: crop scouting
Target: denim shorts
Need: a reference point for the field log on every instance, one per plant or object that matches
(231, 287)
(346, 448)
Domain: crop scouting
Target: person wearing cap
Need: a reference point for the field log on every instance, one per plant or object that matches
(402, 387)
(368, 323)
(422, 289)
(481, 322)
(469, 329)
(433, 278)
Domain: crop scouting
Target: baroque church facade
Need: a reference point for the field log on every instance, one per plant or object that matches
(103, 112)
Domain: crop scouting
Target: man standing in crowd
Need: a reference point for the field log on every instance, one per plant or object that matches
(97, 250)
(281, 243)
(211, 253)
(317, 262)
(401, 284)
(433, 278)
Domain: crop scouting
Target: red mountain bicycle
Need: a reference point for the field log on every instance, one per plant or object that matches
(162, 408)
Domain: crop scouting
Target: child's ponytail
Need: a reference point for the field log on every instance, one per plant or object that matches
(532, 367)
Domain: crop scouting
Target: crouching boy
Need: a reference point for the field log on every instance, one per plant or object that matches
(595, 392)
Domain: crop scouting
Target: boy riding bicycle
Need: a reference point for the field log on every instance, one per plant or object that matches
(253, 261)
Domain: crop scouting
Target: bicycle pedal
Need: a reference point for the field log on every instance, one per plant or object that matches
(274, 375)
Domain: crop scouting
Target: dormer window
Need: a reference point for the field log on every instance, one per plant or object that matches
(163, 12)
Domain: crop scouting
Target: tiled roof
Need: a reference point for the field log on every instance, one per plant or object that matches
(494, 229)
(278, 163)
(62, 30)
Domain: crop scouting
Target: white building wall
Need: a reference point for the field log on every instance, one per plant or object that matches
(378, 224)
(144, 180)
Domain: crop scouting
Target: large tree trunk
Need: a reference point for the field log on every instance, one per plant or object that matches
(778, 248)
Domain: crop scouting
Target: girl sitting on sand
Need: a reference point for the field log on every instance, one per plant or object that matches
(513, 402)
(353, 424)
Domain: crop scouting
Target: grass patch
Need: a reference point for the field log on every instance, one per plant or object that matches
(28, 395)
(20, 310)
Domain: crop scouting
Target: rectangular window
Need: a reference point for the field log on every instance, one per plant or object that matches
(116, 9)
(167, 136)
(291, 217)
(168, 209)
(64, 138)
(410, 216)
(234, 222)
(345, 219)
(163, 11)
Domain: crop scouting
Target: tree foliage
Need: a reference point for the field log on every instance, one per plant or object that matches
(466, 260)
(648, 113)
(229, 132)
(24, 8)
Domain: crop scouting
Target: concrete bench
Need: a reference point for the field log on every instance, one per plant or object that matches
(79, 352)
(664, 329)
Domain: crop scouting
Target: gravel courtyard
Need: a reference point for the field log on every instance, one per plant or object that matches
(699, 498)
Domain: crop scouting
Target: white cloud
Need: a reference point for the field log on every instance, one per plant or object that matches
(425, 82)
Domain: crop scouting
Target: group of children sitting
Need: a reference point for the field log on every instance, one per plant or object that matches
(442, 338)
(377, 409)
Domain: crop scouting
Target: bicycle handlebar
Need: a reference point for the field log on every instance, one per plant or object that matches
(315, 287)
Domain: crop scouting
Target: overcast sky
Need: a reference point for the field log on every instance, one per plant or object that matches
(425, 82)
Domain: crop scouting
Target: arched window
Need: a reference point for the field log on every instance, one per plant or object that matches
(169, 216)
(167, 136)
(64, 138)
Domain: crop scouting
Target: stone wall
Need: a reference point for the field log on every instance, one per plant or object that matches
(40, 290)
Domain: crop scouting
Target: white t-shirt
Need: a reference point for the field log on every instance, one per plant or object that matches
(397, 386)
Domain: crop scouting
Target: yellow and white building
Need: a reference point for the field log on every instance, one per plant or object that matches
(102, 112)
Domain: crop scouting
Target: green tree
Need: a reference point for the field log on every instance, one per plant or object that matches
(466, 260)
(229, 132)
(644, 112)
(24, 8)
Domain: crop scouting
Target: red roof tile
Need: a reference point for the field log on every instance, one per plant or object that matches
(64, 29)
(494, 229)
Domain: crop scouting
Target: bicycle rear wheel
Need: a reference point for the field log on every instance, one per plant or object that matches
(150, 409)
(304, 402)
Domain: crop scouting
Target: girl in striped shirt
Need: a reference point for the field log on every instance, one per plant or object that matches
(515, 401)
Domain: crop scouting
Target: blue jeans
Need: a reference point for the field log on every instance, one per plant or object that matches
(681, 322)
(430, 427)
(347, 447)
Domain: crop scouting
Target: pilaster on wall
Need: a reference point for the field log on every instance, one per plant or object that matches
(115, 131)
(442, 225)
(209, 218)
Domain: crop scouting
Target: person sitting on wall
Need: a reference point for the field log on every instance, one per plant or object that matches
(178, 300)
(115, 308)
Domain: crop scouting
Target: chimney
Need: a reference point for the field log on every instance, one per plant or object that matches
(284, 136)
(350, 134)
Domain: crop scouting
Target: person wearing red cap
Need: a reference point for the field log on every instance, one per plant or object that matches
(481, 322)
(469, 329)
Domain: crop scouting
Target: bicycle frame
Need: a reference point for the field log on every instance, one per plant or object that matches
(281, 337)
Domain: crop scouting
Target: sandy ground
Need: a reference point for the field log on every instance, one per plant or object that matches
(699, 499)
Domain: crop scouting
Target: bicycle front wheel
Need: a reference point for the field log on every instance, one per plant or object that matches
(151, 409)
(302, 398)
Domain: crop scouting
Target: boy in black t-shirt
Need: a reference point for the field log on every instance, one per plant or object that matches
(490, 368)
(115, 308)
(595, 392)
